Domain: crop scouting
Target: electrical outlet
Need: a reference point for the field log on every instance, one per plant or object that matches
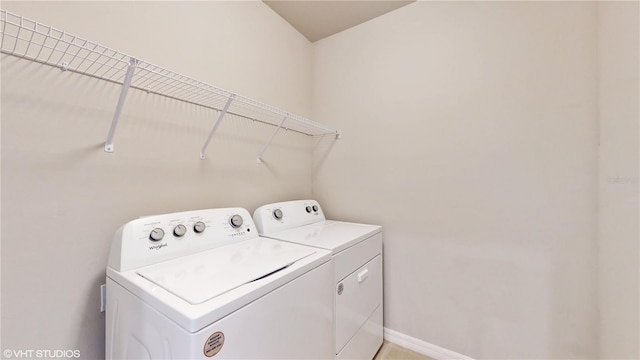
(103, 297)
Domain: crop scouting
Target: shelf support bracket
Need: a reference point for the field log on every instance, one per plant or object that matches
(273, 136)
(108, 144)
(215, 126)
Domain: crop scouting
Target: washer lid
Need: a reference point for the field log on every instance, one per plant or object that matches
(331, 235)
(206, 275)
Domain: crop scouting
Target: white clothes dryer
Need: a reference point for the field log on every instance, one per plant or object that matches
(203, 284)
(357, 281)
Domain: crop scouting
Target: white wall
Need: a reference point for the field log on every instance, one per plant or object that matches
(63, 197)
(470, 134)
(618, 97)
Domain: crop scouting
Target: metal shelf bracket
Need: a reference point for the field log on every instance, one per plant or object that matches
(215, 126)
(108, 144)
(273, 136)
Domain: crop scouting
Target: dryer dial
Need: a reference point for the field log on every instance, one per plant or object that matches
(277, 213)
(235, 221)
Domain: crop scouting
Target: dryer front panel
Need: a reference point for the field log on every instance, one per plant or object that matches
(357, 297)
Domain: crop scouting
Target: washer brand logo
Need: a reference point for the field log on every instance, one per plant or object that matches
(238, 234)
(157, 247)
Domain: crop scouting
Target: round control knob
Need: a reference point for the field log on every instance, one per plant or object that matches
(277, 213)
(199, 227)
(179, 230)
(315, 208)
(308, 208)
(235, 221)
(156, 234)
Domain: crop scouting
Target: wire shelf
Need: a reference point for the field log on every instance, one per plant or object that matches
(44, 44)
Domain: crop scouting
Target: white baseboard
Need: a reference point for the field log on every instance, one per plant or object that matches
(422, 347)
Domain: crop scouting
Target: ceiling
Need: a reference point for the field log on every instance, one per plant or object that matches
(319, 19)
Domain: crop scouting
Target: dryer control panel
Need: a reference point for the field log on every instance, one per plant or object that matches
(286, 215)
(156, 238)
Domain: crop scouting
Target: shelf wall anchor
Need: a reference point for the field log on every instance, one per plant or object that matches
(273, 136)
(108, 144)
(215, 126)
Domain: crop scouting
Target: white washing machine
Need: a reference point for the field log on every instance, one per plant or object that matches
(203, 284)
(357, 280)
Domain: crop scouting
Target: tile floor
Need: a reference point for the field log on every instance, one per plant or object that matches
(391, 351)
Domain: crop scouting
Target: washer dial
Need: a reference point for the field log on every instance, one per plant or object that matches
(199, 227)
(315, 208)
(235, 221)
(179, 230)
(156, 234)
(308, 208)
(277, 213)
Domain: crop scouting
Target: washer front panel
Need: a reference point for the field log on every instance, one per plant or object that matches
(194, 317)
(294, 321)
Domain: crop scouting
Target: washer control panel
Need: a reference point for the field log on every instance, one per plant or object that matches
(281, 216)
(158, 238)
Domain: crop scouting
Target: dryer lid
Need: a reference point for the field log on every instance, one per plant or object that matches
(331, 235)
(206, 275)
